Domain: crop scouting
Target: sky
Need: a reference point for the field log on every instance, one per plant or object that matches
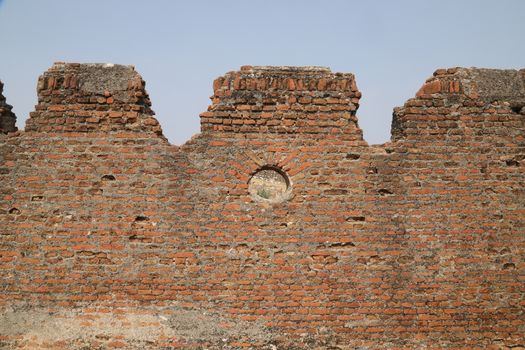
(180, 47)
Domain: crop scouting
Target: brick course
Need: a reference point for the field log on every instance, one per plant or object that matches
(130, 242)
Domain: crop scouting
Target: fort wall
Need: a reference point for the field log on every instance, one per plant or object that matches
(110, 237)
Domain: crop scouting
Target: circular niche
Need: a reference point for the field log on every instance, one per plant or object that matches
(269, 185)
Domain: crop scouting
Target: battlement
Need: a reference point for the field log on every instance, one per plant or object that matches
(284, 100)
(7, 117)
(76, 97)
(453, 101)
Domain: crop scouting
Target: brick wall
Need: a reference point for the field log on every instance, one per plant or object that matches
(118, 239)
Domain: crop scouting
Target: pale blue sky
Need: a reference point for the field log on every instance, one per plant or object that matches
(179, 47)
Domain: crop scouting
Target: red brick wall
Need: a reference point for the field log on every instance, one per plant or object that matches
(418, 243)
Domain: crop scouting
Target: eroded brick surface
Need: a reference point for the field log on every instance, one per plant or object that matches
(110, 237)
(7, 117)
